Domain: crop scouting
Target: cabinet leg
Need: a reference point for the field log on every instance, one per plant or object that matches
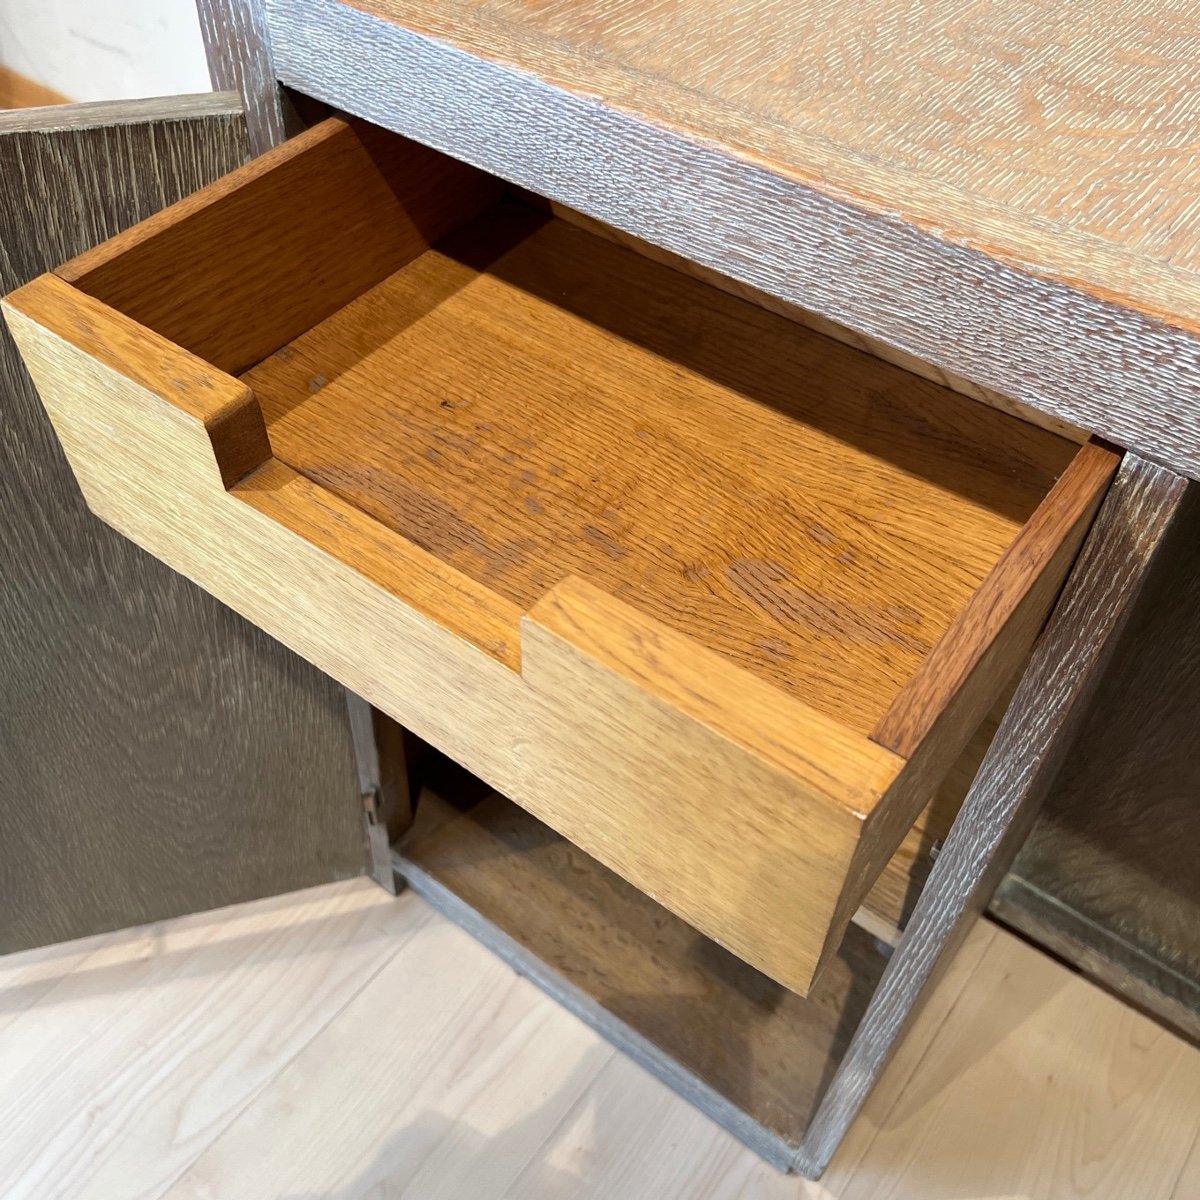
(1030, 743)
(238, 47)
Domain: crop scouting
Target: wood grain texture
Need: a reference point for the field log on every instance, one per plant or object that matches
(890, 902)
(1096, 332)
(749, 1052)
(964, 676)
(717, 657)
(1188, 1182)
(323, 210)
(156, 1041)
(499, 1095)
(1035, 1085)
(1005, 108)
(215, 412)
(617, 420)
(822, 325)
(893, 895)
(515, 734)
(744, 811)
(1031, 743)
(1011, 603)
(451, 1076)
(157, 753)
(1018, 1075)
(343, 575)
(1110, 870)
(471, 613)
(238, 46)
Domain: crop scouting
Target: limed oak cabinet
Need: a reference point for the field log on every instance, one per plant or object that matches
(679, 434)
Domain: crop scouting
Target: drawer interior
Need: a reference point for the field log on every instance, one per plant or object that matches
(529, 401)
(719, 598)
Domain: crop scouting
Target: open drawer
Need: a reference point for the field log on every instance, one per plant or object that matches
(718, 598)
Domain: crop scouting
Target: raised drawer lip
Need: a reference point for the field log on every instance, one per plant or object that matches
(173, 451)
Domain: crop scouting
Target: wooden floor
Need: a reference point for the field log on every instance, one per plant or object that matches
(339, 1043)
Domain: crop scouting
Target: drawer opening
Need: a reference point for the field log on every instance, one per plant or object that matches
(717, 597)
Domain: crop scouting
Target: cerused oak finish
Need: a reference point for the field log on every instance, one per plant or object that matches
(1038, 730)
(993, 194)
(534, 495)
(1109, 878)
(158, 754)
(239, 59)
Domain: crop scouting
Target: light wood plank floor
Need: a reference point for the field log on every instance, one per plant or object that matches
(338, 1043)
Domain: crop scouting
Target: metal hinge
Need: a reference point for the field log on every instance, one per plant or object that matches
(379, 846)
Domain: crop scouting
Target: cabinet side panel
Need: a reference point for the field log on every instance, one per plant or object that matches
(238, 46)
(1109, 878)
(158, 754)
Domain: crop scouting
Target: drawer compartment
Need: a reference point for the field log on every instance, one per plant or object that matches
(718, 598)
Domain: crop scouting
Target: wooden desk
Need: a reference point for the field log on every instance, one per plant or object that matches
(1002, 202)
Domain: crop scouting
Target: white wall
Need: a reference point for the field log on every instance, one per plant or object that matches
(105, 49)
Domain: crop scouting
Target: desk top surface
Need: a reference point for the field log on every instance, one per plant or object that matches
(1065, 138)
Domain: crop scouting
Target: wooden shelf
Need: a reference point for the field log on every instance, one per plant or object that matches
(720, 599)
(753, 1055)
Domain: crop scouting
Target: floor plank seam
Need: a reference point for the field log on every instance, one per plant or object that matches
(236, 1114)
(880, 1125)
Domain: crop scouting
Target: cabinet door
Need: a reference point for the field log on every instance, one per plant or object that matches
(158, 754)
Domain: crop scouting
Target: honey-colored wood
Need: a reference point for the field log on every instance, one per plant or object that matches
(620, 421)
(282, 243)
(710, 790)
(19, 91)
(1010, 604)
(947, 699)
(445, 689)
(893, 896)
(650, 560)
